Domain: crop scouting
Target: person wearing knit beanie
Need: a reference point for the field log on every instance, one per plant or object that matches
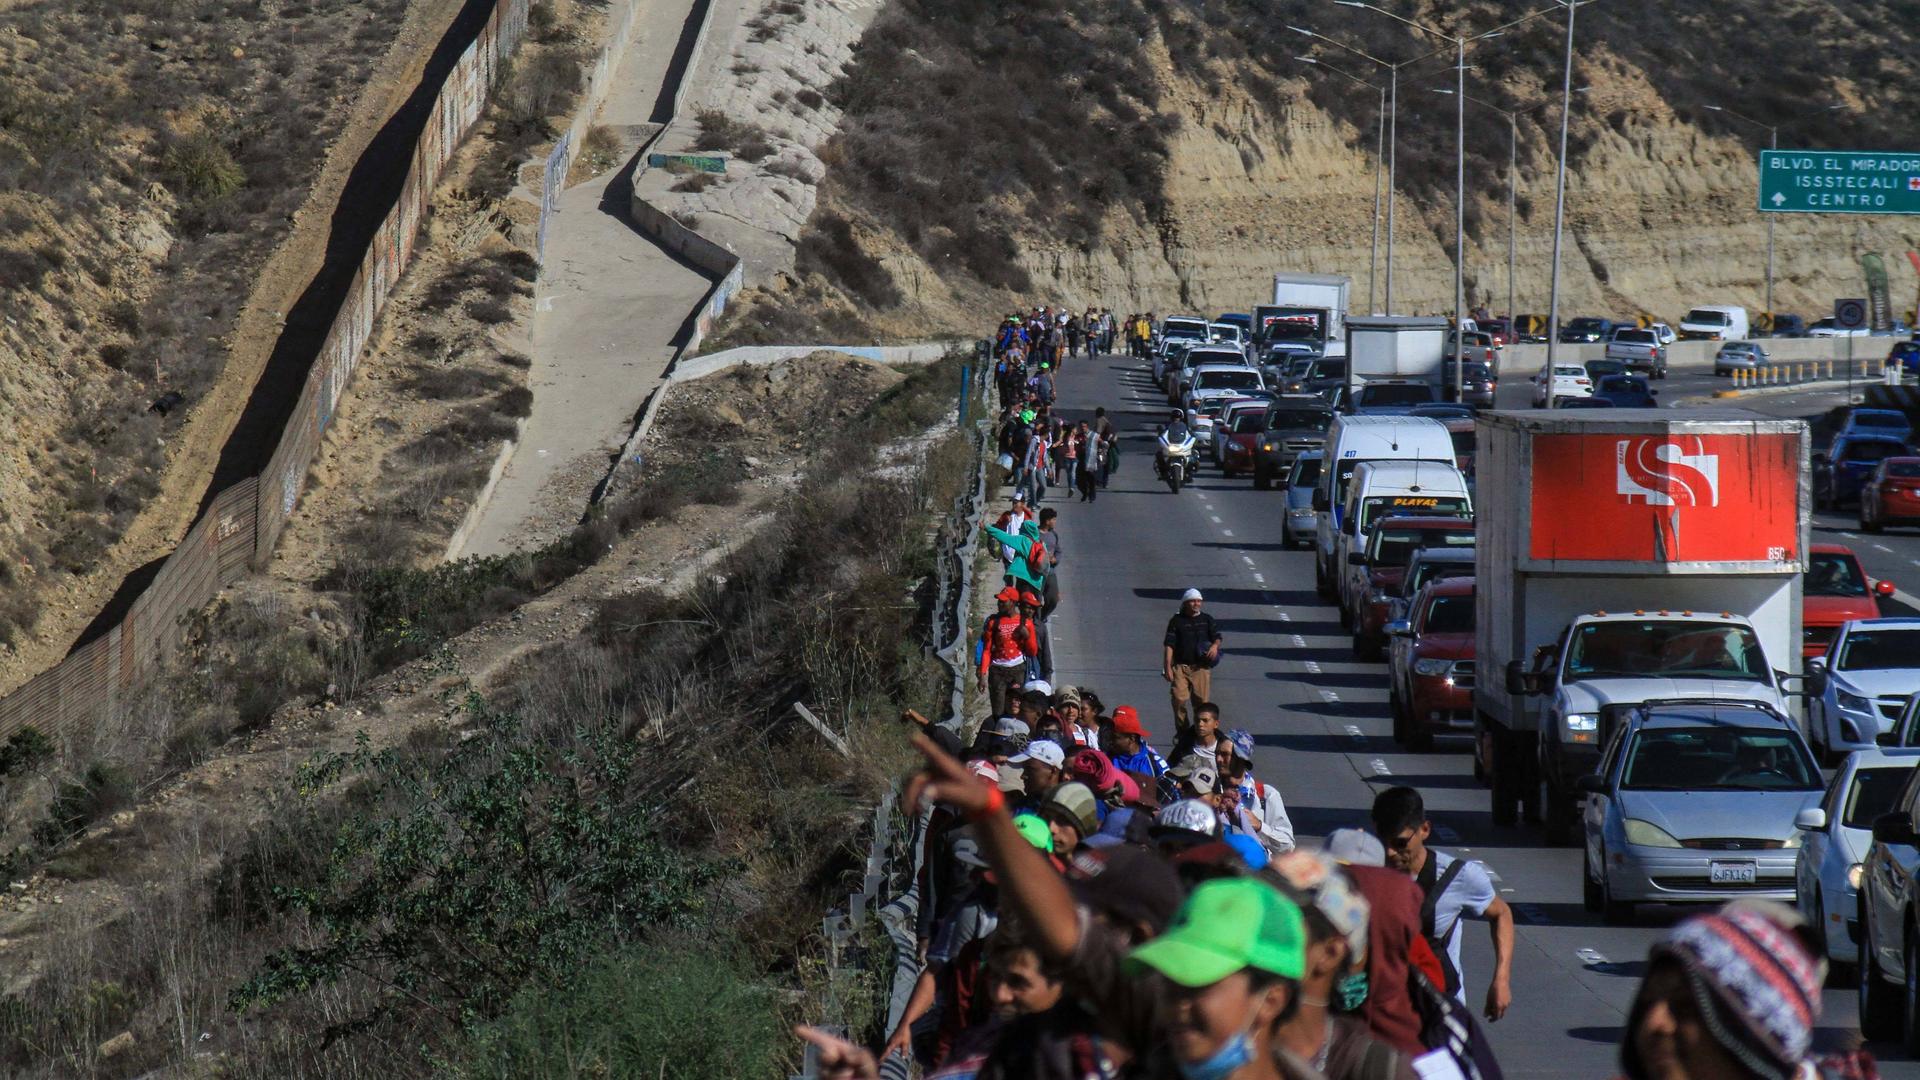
(1731, 994)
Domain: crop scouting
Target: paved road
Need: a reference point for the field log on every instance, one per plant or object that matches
(1320, 717)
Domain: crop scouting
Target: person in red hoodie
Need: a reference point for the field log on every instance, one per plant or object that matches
(1010, 641)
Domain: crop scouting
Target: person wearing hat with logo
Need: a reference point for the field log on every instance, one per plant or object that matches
(1184, 824)
(1010, 641)
(1191, 649)
(1266, 811)
(1130, 752)
(1324, 1033)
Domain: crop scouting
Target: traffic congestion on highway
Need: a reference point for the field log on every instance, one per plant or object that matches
(1634, 687)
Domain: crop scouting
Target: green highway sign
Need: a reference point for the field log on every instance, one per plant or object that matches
(1839, 182)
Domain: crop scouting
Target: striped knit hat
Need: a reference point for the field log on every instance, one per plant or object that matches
(1757, 986)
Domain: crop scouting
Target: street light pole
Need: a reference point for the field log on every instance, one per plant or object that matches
(1773, 143)
(1393, 130)
(1459, 42)
(1559, 209)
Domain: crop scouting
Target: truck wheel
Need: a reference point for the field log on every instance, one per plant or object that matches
(1560, 817)
(1879, 1009)
(1506, 785)
(1612, 912)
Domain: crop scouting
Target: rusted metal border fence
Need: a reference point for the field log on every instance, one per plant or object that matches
(244, 521)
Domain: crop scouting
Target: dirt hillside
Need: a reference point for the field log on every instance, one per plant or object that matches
(1182, 154)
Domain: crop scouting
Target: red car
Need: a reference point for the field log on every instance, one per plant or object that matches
(1430, 666)
(1836, 590)
(1891, 495)
(1241, 441)
(1390, 547)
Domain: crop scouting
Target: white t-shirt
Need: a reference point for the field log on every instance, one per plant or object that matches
(1470, 892)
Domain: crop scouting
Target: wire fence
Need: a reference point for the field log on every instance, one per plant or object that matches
(243, 522)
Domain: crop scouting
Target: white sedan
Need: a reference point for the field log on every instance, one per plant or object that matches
(1826, 871)
(1569, 380)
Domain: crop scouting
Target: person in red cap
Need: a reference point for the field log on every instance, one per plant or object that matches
(1010, 642)
(1130, 750)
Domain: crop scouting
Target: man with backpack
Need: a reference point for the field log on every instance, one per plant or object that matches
(1450, 888)
(1009, 641)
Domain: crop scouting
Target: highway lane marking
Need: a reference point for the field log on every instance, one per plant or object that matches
(1354, 732)
(1533, 915)
(1215, 517)
(1261, 578)
(1379, 767)
(1225, 532)
(1298, 641)
(1284, 617)
(1248, 558)
(1313, 666)
(1591, 957)
(1883, 547)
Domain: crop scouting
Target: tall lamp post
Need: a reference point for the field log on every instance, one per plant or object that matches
(1513, 174)
(1773, 143)
(1460, 43)
(1379, 165)
(1393, 129)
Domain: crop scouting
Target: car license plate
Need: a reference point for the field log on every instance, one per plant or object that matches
(1731, 873)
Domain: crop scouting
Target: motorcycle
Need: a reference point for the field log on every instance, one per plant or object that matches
(1176, 460)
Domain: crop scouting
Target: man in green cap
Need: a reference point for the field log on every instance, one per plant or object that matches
(1233, 959)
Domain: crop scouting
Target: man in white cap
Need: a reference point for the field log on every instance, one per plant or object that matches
(1191, 649)
(1042, 764)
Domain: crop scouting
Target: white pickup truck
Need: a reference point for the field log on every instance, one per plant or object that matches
(1641, 350)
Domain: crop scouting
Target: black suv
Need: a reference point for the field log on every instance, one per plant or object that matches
(1588, 329)
(1295, 423)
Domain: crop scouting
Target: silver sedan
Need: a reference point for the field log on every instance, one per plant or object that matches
(1739, 356)
(1696, 803)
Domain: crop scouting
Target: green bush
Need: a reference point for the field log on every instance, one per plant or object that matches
(199, 168)
(502, 861)
(670, 1009)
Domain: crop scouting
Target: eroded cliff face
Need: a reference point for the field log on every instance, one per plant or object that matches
(954, 188)
(1660, 217)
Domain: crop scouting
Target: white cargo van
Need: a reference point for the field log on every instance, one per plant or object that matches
(1714, 322)
(1350, 441)
(1382, 489)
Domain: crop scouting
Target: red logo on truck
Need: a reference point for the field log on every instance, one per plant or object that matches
(1666, 498)
(1667, 472)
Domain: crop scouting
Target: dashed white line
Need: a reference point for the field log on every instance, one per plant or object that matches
(1215, 517)
(1225, 532)
(1248, 559)
(1284, 617)
(1590, 957)
(1354, 732)
(1298, 641)
(1883, 547)
(1379, 767)
(1261, 578)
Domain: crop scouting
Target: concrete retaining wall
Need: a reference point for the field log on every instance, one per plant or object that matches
(1525, 359)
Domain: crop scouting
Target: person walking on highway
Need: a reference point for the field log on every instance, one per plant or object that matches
(1191, 649)
(1009, 642)
(1261, 802)
(1451, 888)
(1103, 430)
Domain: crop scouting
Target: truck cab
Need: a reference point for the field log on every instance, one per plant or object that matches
(1642, 554)
(1607, 663)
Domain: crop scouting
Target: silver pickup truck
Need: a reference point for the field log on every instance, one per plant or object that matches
(1641, 350)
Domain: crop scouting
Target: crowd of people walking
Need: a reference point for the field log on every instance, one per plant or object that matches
(1090, 908)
